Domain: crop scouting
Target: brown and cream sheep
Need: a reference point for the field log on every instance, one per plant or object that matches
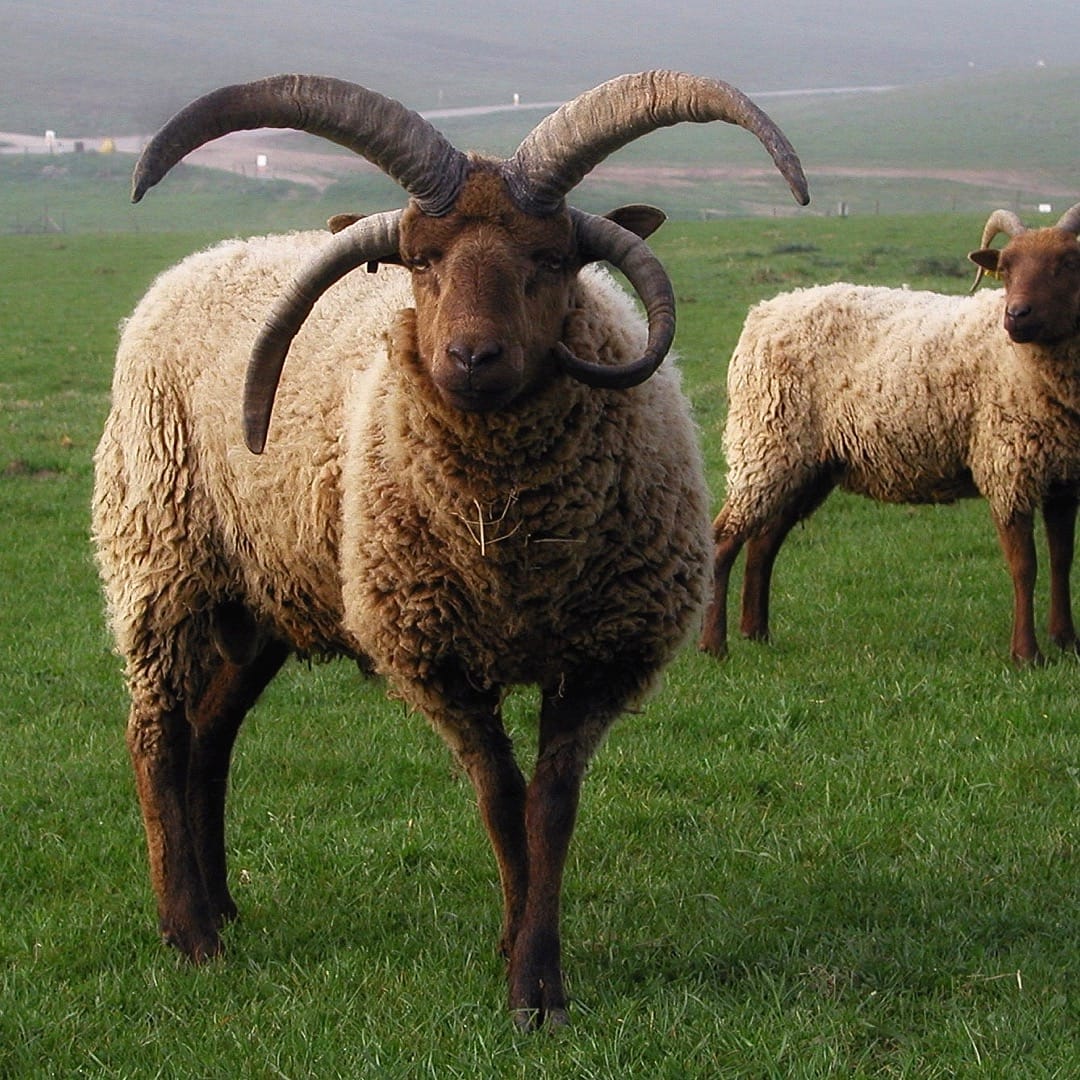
(478, 475)
(912, 397)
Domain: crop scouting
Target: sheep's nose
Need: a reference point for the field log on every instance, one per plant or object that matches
(1016, 315)
(1021, 323)
(471, 357)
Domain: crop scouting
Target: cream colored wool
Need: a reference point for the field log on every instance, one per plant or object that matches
(569, 528)
(912, 396)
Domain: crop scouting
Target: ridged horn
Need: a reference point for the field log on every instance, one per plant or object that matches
(1070, 220)
(1000, 221)
(394, 138)
(566, 145)
(365, 241)
(602, 239)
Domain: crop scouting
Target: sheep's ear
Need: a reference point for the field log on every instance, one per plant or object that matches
(986, 258)
(342, 221)
(638, 218)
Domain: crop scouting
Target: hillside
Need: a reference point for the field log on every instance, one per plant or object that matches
(965, 144)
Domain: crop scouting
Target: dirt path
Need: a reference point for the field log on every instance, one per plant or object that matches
(288, 155)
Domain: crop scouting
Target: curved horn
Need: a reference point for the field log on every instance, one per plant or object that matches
(396, 139)
(1000, 221)
(566, 145)
(365, 241)
(600, 238)
(1070, 220)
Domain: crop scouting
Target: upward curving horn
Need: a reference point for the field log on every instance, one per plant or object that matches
(394, 138)
(1000, 221)
(1070, 220)
(566, 145)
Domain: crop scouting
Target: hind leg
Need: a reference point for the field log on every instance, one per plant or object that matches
(763, 547)
(761, 552)
(727, 547)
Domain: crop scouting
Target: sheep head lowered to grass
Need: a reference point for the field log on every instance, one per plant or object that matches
(478, 476)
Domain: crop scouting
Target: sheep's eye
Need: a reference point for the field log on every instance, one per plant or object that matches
(421, 262)
(552, 262)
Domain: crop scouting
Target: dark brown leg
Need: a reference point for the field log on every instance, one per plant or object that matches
(1018, 546)
(573, 719)
(230, 693)
(714, 630)
(159, 741)
(470, 720)
(181, 757)
(761, 552)
(1059, 513)
(500, 793)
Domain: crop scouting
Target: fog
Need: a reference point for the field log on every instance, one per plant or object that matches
(132, 62)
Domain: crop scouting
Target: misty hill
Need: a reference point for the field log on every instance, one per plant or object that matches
(122, 67)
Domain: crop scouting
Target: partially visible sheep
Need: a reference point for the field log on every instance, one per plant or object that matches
(912, 397)
(471, 480)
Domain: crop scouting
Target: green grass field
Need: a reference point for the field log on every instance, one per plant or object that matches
(852, 852)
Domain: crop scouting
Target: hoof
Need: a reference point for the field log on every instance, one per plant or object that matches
(225, 912)
(198, 948)
(1024, 661)
(550, 1020)
(717, 652)
(539, 1002)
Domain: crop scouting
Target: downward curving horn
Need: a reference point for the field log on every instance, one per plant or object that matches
(601, 239)
(575, 138)
(396, 139)
(373, 238)
(366, 241)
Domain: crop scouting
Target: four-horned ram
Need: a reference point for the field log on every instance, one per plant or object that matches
(477, 475)
(912, 397)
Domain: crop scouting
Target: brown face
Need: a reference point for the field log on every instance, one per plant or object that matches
(1041, 272)
(492, 287)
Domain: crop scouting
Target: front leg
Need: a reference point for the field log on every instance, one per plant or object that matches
(1059, 513)
(158, 741)
(470, 721)
(500, 794)
(574, 717)
(1017, 537)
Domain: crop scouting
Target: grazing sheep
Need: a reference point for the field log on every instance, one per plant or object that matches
(471, 482)
(912, 397)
